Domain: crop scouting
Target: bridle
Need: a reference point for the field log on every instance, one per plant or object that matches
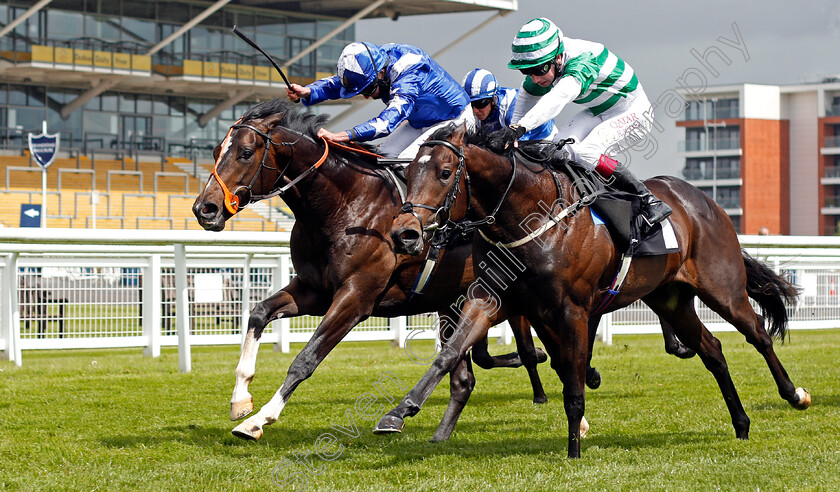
(232, 201)
(451, 195)
(463, 226)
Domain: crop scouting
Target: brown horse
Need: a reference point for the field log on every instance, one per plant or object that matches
(341, 249)
(558, 281)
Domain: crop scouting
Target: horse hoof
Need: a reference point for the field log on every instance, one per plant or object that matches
(389, 424)
(593, 378)
(685, 353)
(439, 438)
(584, 427)
(241, 409)
(539, 400)
(541, 355)
(249, 432)
(803, 399)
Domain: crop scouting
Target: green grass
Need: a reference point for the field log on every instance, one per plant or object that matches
(114, 420)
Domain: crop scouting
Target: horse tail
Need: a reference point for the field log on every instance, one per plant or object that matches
(770, 291)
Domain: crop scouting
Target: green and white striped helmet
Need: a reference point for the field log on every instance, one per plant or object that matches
(537, 42)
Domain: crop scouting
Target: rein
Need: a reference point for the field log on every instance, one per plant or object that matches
(232, 201)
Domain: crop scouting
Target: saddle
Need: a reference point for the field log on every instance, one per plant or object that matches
(619, 211)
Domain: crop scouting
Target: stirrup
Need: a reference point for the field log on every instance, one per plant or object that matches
(657, 215)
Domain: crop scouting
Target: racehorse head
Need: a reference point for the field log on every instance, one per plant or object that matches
(438, 190)
(254, 160)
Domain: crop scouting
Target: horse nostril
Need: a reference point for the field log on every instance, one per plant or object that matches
(209, 210)
(409, 235)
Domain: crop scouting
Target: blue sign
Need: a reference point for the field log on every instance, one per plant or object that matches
(44, 147)
(30, 215)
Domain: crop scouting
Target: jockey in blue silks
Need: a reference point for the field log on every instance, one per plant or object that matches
(415, 89)
(493, 106)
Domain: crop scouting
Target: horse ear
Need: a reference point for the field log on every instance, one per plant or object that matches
(270, 121)
(459, 133)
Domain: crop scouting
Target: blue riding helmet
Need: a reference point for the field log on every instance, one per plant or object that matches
(480, 84)
(358, 65)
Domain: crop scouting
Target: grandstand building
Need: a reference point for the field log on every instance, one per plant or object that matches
(141, 91)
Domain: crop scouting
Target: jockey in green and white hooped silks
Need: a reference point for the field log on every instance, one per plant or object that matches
(617, 113)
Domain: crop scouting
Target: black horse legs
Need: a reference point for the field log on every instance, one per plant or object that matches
(676, 307)
(472, 327)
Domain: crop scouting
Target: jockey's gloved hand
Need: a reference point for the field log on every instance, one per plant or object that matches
(505, 139)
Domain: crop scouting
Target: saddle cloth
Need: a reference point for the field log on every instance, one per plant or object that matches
(621, 214)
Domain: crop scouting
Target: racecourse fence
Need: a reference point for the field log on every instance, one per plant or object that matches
(67, 288)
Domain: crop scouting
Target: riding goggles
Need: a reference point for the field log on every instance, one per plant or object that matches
(538, 70)
(481, 103)
(370, 89)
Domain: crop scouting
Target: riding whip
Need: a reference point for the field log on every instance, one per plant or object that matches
(270, 59)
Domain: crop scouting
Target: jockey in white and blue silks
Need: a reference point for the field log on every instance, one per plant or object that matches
(414, 87)
(493, 106)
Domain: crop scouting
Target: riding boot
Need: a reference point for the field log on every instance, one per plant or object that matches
(653, 209)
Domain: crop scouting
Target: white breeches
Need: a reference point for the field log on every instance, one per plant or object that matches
(404, 142)
(611, 132)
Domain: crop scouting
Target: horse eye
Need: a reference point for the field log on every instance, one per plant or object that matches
(246, 154)
(445, 174)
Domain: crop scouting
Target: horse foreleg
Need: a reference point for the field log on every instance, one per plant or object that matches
(471, 328)
(342, 316)
(568, 346)
(461, 385)
(283, 303)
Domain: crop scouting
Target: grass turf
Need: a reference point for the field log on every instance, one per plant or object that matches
(114, 420)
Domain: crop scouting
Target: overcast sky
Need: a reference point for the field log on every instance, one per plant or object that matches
(786, 43)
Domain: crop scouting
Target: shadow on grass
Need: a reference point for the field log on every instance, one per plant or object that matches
(406, 451)
(214, 436)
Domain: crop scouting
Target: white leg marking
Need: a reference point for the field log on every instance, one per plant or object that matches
(584, 427)
(246, 368)
(270, 412)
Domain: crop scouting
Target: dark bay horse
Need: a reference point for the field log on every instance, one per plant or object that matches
(558, 281)
(346, 266)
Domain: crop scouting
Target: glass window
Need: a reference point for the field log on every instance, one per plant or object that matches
(159, 105)
(61, 96)
(127, 103)
(305, 29)
(17, 95)
(93, 104)
(729, 196)
(144, 104)
(274, 43)
(110, 101)
(64, 25)
(27, 119)
(138, 30)
(102, 27)
(36, 96)
(100, 123)
(728, 168)
(177, 105)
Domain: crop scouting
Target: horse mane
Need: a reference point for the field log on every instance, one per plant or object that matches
(539, 150)
(295, 117)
